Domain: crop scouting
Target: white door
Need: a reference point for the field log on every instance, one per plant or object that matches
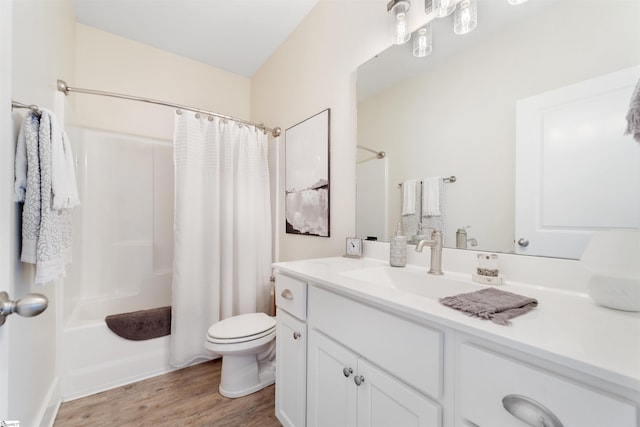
(6, 170)
(384, 401)
(331, 391)
(291, 347)
(576, 173)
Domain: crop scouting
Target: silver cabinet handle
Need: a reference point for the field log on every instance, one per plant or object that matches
(523, 242)
(296, 335)
(529, 411)
(358, 379)
(347, 372)
(287, 294)
(28, 306)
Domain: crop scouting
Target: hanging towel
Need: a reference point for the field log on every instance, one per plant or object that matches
(27, 185)
(633, 116)
(63, 175)
(431, 196)
(46, 233)
(409, 197)
(494, 304)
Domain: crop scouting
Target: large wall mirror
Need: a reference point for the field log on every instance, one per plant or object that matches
(453, 113)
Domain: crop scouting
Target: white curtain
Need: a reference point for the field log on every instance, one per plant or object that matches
(222, 228)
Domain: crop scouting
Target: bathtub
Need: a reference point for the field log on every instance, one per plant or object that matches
(95, 359)
(122, 259)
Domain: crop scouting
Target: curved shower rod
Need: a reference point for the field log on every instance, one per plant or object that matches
(64, 88)
(379, 154)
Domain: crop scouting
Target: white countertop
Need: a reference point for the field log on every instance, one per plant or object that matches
(567, 327)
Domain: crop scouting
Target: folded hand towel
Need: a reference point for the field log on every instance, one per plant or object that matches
(494, 304)
(409, 197)
(431, 196)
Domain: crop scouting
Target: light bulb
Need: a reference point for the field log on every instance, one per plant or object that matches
(422, 42)
(465, 19)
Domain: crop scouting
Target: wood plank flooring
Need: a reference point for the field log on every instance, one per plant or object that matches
(187, 397)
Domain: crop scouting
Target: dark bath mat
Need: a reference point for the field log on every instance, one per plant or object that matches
(141, 325)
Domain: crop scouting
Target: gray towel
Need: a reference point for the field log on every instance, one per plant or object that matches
(633, 116)
(491, 303)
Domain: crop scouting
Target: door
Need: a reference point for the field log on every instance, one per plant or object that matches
(6, 181)
(331, 392)
(384, 401)
(576, 173)
(291, 381)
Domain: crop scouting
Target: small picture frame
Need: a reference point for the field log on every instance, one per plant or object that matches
(353, 247)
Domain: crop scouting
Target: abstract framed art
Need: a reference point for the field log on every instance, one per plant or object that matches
(307, 176)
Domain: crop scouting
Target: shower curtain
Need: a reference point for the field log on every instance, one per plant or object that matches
(222, 228)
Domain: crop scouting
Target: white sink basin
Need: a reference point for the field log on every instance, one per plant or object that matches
(413, 280)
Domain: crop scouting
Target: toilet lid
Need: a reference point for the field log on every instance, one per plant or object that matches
(243, 326)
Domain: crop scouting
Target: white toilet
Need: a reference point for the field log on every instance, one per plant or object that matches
(247, 346)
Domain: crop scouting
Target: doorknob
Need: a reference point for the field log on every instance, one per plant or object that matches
(523, 242)
(28, 306)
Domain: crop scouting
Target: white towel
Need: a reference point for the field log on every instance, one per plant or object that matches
(63, 175)
(27, 185)
(20, 184)
(431, 196)
(409, 197)
(633, 116)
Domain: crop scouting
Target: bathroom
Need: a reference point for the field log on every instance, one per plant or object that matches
(292, 84)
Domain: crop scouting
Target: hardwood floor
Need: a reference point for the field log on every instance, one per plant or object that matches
(187, 397)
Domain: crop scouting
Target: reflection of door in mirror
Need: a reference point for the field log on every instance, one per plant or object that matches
(576, 172)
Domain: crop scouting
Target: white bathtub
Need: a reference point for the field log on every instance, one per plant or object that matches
(122, 259)
(95, 359)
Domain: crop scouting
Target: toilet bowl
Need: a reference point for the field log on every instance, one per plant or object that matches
(247, 346)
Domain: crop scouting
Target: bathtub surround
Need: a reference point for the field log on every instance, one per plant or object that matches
(222, 228)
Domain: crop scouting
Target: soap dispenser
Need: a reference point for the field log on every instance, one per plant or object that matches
(461, 237)
(398, 249)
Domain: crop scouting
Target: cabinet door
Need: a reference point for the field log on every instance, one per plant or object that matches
(331, 392)
(291, 339)
(384, 401)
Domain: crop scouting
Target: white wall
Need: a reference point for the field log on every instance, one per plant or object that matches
(111, 63)
(312, 70)
(43, 48)
(458, 118)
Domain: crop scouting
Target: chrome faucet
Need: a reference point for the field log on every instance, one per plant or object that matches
(436, 251)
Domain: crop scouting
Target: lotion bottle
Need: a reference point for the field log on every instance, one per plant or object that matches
(398, 246)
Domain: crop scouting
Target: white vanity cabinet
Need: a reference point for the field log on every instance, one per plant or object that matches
(355, 374)
(346, 390)
(497, 390)
(291, 350)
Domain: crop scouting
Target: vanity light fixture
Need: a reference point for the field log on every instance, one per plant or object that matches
(399, 9)
(465, 19)
(443, 8)
(422, 42)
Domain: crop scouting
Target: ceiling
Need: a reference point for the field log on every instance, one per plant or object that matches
(234, 35)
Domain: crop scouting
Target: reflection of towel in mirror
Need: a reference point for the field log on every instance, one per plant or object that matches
(494, 304)
(633, 116)
(433, 205)
(409, 197)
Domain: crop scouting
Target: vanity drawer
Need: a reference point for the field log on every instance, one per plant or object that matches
(407, 350)
(490, 382)
(291, 296)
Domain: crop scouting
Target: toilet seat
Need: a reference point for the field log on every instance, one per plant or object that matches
(243, 328)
